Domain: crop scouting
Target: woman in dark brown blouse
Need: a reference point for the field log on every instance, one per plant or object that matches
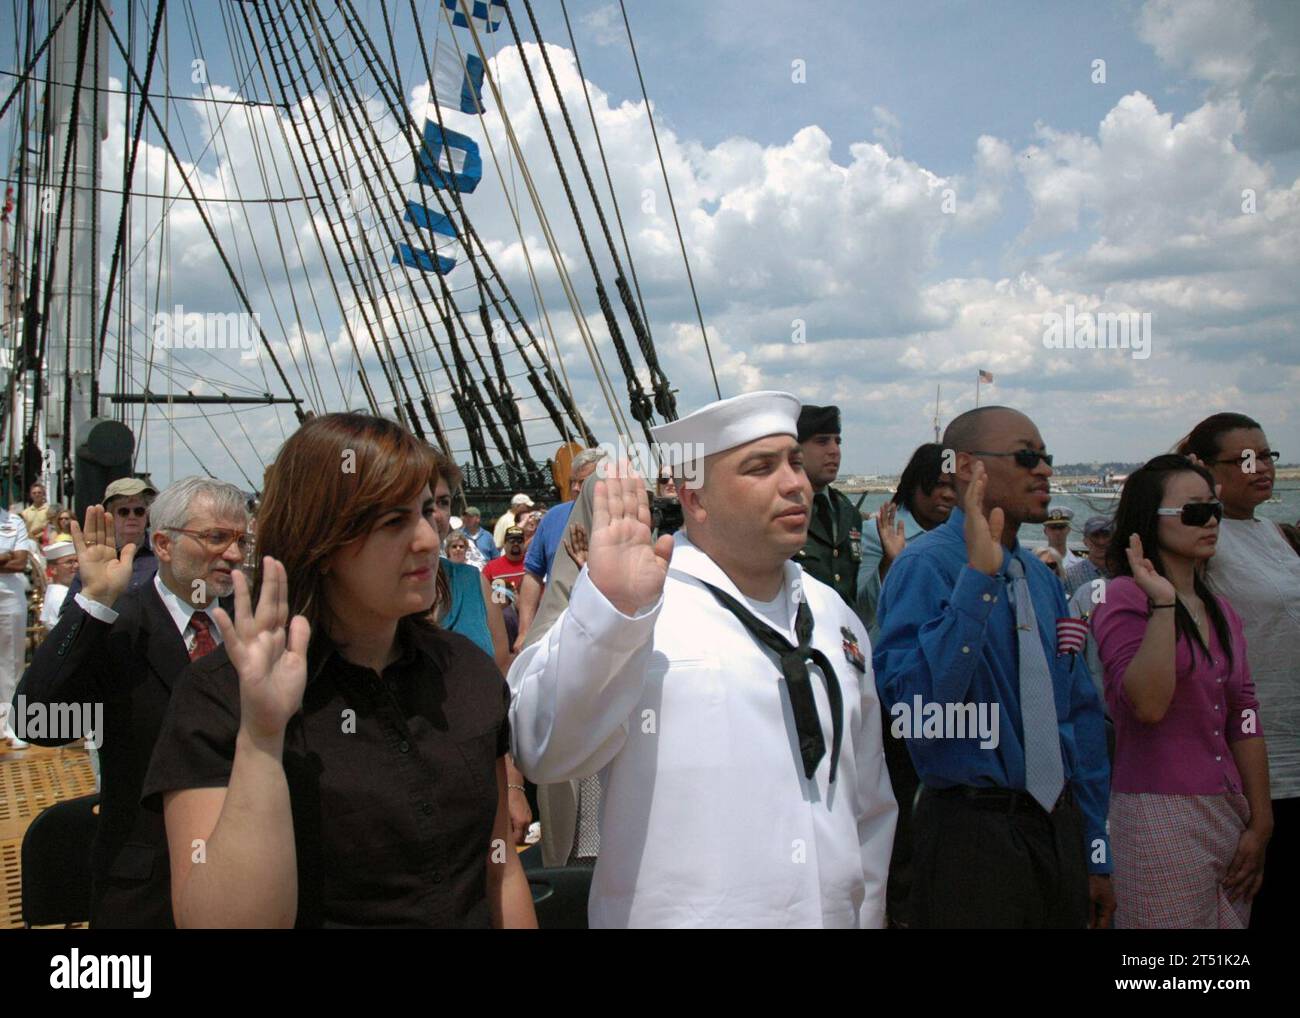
(349, 771)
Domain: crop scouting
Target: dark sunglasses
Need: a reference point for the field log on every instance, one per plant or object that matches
(1027, 458)
(130, 510)
(1195, 514)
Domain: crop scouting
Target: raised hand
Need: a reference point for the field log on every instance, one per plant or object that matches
(892, 539)
(1155, 586)
(575, 543)
(622, 561)
(105, 574)
(272, 665)
(983, 536)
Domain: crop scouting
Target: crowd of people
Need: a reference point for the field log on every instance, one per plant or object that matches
(737, 699)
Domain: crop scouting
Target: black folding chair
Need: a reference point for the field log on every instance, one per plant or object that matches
(56, 863)
(560, 896)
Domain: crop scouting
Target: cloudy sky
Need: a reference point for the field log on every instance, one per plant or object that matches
(876, 201)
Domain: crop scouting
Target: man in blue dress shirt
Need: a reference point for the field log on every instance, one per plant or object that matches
(1010, 827)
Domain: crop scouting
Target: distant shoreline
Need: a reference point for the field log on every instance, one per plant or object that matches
(886, 485)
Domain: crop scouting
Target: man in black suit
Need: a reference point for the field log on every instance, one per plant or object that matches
(124, 649)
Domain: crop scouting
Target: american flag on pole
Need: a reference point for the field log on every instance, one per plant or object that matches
(985, 376)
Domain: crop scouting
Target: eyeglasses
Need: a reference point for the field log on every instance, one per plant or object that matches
(217, 541)
(1027, 458)
(126, 511)
(1194, 514)
(1240, 460)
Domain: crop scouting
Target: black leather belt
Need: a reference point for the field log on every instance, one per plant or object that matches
(1002, 800)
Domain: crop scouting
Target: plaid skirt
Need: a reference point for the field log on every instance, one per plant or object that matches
(1171, 855)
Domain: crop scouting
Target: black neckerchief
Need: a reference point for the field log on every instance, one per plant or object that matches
(794, 667)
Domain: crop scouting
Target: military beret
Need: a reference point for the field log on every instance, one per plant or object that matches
(818, 420)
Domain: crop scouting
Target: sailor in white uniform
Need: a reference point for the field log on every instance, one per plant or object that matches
(726, 698)
(15, 547)
(62, 559)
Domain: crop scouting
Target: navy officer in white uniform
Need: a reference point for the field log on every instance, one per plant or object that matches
(725, 697)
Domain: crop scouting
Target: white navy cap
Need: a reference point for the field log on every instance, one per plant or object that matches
(728, 423)
(58, 550)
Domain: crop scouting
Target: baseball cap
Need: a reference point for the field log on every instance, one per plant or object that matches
(1096, 524)
(521, 499)
(472, 510)
(126, 487)
(513, 532)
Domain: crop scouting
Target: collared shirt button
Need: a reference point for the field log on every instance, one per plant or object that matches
(426, 808)
(403, 746)
(965, 650)
(835, 553)
(436, 877)
(837, 577)
(1218, 757)
(1216, 706)
(988, 597)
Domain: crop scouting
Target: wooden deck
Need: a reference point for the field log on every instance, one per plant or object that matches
(30, 780)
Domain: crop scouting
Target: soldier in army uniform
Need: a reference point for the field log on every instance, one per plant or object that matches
(834, 546)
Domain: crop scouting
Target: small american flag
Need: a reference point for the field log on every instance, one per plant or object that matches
(1071, 635)
(985, 376)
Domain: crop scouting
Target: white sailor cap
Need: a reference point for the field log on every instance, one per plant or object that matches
(728, 423)
(58, 550)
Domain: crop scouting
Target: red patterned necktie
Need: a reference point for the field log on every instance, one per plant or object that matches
(203, 642)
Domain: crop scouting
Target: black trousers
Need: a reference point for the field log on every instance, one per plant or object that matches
(904, 781)
(1274, 907)
(979, 865)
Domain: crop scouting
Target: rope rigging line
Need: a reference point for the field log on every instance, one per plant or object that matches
(311, 219)
(469, 235)
(166, 96)
(665, 404)
(566, 283)
(251, 125)
(318, 400)
(671, 204)
(480, 408)
(128, 173)
(473, 406)
(502, 398)
(25, 74)
(69, 148)
(34, 335)
(640, 404)
(354, 111)
(600, 147)
(207, 224)
(271, 34)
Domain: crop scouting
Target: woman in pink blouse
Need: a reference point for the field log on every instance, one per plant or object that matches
(1189, 808)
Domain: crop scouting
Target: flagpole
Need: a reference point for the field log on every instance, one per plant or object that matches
(937, 389)
(977, 388)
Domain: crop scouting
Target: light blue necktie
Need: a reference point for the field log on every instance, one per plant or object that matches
(1044, 772)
